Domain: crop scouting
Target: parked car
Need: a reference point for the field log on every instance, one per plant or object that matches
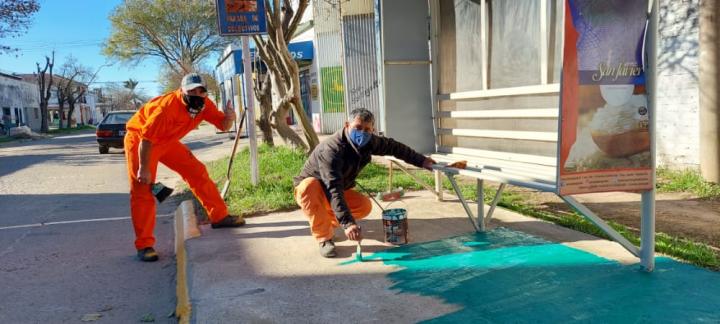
(111, 130)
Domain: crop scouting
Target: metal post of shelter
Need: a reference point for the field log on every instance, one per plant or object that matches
(647, 222)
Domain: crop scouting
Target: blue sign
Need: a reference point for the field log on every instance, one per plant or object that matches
(241, 17)
(301, 50)
(231, 64)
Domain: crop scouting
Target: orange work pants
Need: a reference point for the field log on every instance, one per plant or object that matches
(178, 158)
(310, 196)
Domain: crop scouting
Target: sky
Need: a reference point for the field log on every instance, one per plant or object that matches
(77, 28)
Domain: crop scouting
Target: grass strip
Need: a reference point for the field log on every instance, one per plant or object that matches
(70, 130)
(688, 180)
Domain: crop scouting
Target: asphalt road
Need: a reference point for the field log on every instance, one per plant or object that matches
(66, 241)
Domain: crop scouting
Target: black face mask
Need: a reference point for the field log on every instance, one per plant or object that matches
(194, 104)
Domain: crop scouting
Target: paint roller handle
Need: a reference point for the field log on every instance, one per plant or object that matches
(371, 196)
(235, 144)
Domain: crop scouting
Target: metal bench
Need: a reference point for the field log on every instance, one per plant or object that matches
(537, 172)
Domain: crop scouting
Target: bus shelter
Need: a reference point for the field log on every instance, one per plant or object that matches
(553, 95)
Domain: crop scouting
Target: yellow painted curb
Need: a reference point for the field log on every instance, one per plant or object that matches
(185, 228)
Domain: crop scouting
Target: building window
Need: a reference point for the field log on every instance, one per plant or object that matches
(495, 44)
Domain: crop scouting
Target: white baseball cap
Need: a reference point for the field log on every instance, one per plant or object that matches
(191, 81)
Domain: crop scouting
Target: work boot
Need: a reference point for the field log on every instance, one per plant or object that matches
(327, 249)
(229, 221)
(147, 254)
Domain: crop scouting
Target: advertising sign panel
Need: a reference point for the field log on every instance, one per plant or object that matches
(604, 130)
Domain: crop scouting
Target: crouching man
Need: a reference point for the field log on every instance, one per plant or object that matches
(324, 187)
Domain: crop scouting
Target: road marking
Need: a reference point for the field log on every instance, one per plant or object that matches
(77, 221)
(74, 136)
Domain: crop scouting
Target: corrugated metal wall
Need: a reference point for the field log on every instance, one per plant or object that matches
(358, 22)
(346, 56)
(328, 38)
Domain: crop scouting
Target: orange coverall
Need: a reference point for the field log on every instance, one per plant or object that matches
(163, 121)
(310, 196)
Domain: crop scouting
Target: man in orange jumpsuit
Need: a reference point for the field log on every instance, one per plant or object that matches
(153, 136)
(324, 188)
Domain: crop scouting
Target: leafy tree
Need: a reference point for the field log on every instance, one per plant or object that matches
(179, 32)
(15, 18)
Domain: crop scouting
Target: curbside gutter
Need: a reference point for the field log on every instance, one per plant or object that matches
(185, 228)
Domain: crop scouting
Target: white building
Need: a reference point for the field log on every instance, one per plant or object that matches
(19, 101)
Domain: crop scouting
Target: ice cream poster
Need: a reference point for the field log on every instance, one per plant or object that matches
(604, 129)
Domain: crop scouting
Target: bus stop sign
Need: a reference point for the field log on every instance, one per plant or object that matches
(241, 17)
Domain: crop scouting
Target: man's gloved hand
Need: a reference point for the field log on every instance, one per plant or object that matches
(458, 164)
(353, 232)
(428, 163)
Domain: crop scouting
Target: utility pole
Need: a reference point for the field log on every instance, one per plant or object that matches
(709, 88)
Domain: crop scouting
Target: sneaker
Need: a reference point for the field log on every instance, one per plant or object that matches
(229, 221)
(327, 249)
(147, 255)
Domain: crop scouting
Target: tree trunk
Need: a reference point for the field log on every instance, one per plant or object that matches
(45, 89)
(286, 133)
(61, 113)
(71, 110)
(281, 109)
(310, 135)
(264, 119)
(264, 96)
(293, 84)
(44, 116)
(710, 81)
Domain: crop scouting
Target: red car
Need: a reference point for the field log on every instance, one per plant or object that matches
(111, 130)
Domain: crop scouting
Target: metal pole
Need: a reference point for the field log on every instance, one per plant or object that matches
(250, 106)
(647, 222)
(390, 176)
(480, 205)
(589, 215)
(438, 185)
(380, 56)
(493, 204)
(465, 205)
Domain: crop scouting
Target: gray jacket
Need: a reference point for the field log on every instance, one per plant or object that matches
(336, 163)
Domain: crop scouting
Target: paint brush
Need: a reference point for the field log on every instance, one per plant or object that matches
(358, 252)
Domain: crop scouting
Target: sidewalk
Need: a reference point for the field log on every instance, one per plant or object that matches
(270, 271)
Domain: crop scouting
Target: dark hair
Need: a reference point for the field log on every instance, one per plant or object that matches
(362, 113)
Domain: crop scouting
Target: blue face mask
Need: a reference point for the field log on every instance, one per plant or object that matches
(360, 138)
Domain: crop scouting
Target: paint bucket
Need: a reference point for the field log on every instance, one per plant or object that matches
(395, 226)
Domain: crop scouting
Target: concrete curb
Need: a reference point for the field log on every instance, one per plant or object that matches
(185, 228)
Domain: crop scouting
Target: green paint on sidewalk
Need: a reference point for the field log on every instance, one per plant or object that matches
(505, 276)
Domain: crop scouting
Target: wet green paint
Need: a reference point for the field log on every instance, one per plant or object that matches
(505, 276)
